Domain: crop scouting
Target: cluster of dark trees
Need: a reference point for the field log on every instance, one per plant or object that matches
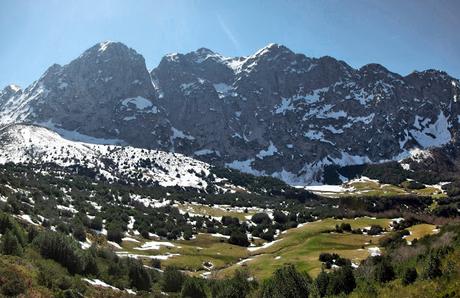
(117, 206)
(330, 259)
(263, 226)
(286, 281)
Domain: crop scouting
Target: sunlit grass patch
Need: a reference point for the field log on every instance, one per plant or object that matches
(420, 230)
(302, 246)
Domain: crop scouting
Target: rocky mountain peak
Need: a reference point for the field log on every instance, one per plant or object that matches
(10, 90)
(109, 48)
(204, 56)
(373, 67)
(106, 84)
(274, 112)
(203, 52)
(273, 49)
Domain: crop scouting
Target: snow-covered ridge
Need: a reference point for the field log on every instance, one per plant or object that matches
(29, 143)
(315, 112)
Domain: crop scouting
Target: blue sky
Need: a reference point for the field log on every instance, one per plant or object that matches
(402, 35)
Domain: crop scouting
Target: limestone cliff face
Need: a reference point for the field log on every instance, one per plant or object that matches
(275, 112)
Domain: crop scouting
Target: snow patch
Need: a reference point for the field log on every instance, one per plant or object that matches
(224, 90)
(74, 135)
(154, 245)
(434, 134)
(140, 103)
(270, 151)
(100, 283)
(374, 251)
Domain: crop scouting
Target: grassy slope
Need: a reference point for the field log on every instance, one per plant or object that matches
(213, 211)
(372, 188)
(193, 253)
(420, 230)
(302, 246)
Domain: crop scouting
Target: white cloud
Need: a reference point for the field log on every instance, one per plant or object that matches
(228, 33)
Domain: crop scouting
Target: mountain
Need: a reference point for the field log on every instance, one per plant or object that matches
(275, 112)
(22, 144)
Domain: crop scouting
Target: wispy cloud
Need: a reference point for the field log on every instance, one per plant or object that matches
(229, 33)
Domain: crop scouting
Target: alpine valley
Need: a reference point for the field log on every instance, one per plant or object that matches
(269, 175)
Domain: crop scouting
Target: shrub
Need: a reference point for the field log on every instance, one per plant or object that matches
(139, 276)
(432, 266)
(63, 228)
(193, 288)
(412, 184)
(235, 287)
(12, 282)
(172, 279)
(238, 238)
(96, 223)
(326, 257)
(7, 223)
(79, 232)
(446, 211)
(375, 230)
(287, 282)
(261, 218)
(115, 233)
(345, 227)
(91, 266)
(384, 271)
(280, 217)
(228, 220)
(155, 263)
(321, 282)
(10, 244)
(409, 276)
(341, 280)
(61, 248)
(268, 235)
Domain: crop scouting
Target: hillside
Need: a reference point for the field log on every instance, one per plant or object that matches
(40, 146)
(79, 236)
(274, 112)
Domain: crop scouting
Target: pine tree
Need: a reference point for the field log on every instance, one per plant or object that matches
(115, 233)
(96, 223)
(432, 266)
(349, 281)
(287, 282)
(235, 287)
(61, 248)
(91, 266)
(341, 280)
(238, 238)
(11, 245)
(172, 279)
(140, 278)
(79, 233)
(384, 271)
(322, 281)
